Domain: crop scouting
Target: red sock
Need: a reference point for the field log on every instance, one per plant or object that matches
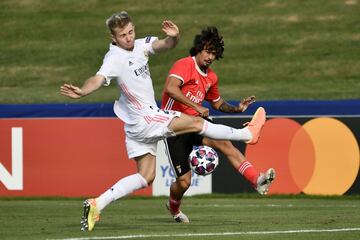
(174, 206)
(249, 172)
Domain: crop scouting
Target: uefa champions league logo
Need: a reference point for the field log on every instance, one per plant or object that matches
(167, 173)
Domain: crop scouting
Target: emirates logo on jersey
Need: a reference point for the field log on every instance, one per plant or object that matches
(195, 98)
(143, 71)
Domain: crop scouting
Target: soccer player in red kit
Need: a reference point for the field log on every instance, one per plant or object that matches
(189, 83)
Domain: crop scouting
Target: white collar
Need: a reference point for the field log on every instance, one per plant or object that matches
(198, 69)
(117, 48)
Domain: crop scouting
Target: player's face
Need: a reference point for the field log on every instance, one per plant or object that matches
(125, 37)
(206, 57)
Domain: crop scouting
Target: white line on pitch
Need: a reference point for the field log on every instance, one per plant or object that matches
(272, 205)
(216, 234)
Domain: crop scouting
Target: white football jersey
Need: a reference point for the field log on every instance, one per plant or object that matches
(132, 73)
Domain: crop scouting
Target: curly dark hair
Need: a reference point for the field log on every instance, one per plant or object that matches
(209, 39)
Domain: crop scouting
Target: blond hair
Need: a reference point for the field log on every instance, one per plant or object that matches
(120, 19)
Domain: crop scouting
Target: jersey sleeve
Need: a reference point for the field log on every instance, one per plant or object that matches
(213, 94)
(148, 41)
(181, 70)
(109, 68)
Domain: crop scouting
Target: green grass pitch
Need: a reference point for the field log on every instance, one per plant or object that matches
(274, 49)
(212, 217)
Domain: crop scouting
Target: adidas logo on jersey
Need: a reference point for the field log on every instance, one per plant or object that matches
(131, 63)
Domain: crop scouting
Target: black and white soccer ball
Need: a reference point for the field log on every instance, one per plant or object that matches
(203, 160)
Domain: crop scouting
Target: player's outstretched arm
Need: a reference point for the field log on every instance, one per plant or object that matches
(171, 39)
(90, 85)
(224, 106)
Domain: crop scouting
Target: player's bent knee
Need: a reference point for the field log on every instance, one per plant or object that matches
(149, 177)
(198, 124)
(150, 181)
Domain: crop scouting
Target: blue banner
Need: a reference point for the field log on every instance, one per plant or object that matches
(273, 108)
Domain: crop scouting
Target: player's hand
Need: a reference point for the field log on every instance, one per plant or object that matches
(203, 111)
(170, 28)
(71, 91)
(245, 103)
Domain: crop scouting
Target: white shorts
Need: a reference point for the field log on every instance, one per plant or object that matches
(142, 137)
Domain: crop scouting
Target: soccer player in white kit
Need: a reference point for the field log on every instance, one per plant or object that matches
(144, 123)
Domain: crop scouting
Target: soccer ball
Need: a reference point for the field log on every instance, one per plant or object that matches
(203, 160)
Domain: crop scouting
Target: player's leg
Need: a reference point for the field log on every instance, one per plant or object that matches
(249, 134)
(179, 187)
(261, 182)
(143, 178)
(177, 191)
(178, 149)
(144, 155)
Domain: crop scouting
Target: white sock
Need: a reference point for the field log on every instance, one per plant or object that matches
(122, 188)
(222, 132)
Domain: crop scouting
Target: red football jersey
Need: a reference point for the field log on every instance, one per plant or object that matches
(196, 86)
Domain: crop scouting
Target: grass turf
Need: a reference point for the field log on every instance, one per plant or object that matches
(236, 215)
(273, 49)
